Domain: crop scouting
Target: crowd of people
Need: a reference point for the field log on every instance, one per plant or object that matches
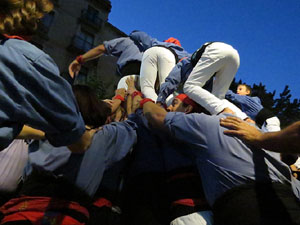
(172, 146)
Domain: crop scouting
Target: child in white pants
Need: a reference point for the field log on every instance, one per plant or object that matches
(218, 59)
(157, 63)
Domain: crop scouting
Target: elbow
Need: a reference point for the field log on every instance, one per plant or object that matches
(156, 120)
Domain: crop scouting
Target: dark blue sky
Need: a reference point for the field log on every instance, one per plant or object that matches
(266, 33)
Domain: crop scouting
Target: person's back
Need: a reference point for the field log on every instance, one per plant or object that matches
(128, 52)
(73, 171)
(31, 88)
(158, 178)
(232, 170)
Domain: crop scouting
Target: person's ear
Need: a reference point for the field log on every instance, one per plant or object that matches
(188, 109)
(247, 92)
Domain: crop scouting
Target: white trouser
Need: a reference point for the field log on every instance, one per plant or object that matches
(12, 162)
(157, 61)
(122, 82)
(271, 125)
(237, 111)
(297, 163)
(197, 218)
(220, 59)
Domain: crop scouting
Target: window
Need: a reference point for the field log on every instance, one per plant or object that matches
(83, 41)
(92, 15)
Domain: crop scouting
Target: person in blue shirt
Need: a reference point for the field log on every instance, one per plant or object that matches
(128, 52)
(250, 105)
(284, 141)
(243, 184)
(253, 108)
(31, 89)
(213, 59)
(110, 144)
(162, 185)
(158, 60)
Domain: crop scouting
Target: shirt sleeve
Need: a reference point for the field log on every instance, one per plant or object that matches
(250, 105)
(188, 128)
(35, 94)
(115, 47)
(143, 38)
(230, 95)
(52, 106)
(123, 139)
(110, 144)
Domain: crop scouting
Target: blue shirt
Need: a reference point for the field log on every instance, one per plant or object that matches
(223, 161)
(249, 105)
(155, 150)
(177, 76)
(33, 93)
(109, 145)
(124, 49)
(147, 41)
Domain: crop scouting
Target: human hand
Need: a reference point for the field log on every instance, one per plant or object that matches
(248, 120)
(295, 171)
(74, 68)
(109, 101)
(130, 83)
(241, 129)
(227, 110)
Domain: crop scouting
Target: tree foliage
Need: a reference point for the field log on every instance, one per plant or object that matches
(97, 85)
(286, 109)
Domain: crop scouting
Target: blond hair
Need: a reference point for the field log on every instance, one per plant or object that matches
(20, 17)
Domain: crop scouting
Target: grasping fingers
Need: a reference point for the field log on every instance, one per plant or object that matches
(241, 129)
(230, 122)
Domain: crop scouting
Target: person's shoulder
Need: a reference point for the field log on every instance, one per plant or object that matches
(256, 98)
(25, 48)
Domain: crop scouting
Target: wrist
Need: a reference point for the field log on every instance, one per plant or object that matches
(80, 60)
(120, 97)
(259, 140)
(135, 93)
(145, 100)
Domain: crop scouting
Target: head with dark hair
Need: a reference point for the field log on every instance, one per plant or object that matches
(93, 110)
(244, 89)
(182, 103)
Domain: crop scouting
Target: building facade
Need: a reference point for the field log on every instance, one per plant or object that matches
(74, 27)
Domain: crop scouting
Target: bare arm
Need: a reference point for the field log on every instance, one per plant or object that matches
(30, 133)
(154, 114)
(96, 52)
(134, 96)
(117, 102)
(83, 143)
(286, 140)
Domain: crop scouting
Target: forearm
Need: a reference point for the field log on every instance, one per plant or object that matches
(30, 133)
(154, 114)
(129, 105)
(287, 140)
(83, 143)
(115, 105)
(93, 53)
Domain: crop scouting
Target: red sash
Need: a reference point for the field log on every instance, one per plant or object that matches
(39, 210)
